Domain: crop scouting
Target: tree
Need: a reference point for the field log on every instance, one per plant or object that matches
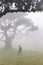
(7, 31)
(9, 27)
(20, 6)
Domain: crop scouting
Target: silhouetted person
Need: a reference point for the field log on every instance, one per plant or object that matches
(19, 50)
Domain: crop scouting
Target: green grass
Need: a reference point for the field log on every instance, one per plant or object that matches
(27, 58)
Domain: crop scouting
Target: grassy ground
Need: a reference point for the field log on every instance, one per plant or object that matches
(27, 58)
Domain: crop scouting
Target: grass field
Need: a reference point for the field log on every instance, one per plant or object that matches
(27, 58)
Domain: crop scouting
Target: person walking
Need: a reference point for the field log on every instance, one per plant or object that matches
(19, 50)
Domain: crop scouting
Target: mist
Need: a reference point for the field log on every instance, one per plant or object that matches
(32, 40)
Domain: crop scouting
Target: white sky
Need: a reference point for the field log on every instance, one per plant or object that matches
(37, 18)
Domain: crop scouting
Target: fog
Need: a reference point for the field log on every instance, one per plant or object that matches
(37, 18)
(32, 40)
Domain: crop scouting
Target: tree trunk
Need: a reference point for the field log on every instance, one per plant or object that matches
(8, 44)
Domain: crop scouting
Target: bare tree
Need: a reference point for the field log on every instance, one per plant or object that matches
(8, 29)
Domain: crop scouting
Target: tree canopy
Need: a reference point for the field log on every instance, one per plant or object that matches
(8, 29)
(20, 6)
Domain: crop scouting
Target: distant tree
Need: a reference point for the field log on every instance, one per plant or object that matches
(8, 29)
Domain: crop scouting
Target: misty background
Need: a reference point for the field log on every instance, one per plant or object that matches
(31, 40)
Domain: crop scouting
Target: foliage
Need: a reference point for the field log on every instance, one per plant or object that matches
(19, 6)
(9, 27)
